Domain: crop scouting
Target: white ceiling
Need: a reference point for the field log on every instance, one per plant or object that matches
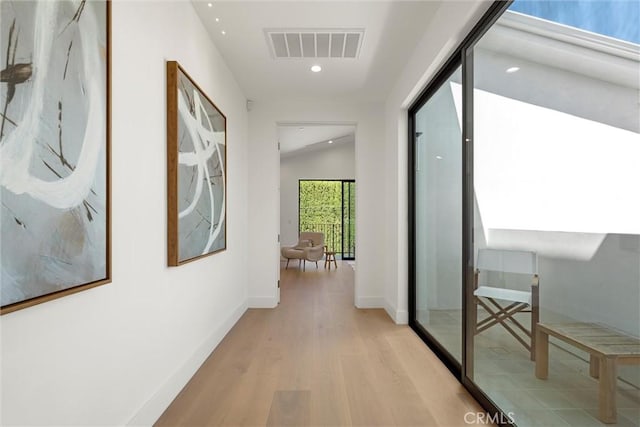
(392, 29)
(295, 137)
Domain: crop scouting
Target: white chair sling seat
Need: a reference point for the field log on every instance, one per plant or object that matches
(503, 294)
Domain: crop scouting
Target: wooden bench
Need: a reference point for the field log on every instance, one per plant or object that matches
(607, 349)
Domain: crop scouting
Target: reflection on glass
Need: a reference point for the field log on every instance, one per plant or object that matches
(438, 213)
(556, 149)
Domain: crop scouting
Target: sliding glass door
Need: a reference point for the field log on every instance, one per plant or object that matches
(524, 234)
(556, 146)
(437, 191)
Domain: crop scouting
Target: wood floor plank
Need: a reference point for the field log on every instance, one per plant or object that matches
(396, 385)
(207, 395)
(317, 360)
(250, 402)
(367, 405)
(329, 400)
(448, 401)
(290, 408)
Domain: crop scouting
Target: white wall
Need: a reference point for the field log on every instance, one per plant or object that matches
(264, 197)
(604, 289)
(446, 30)
(333, 162)
(119, 353)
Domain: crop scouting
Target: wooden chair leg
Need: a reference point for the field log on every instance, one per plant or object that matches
(501, 317)
(304, 265)
(287, 266)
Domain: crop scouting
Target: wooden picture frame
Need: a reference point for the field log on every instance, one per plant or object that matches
(196, 170)
(55, 101)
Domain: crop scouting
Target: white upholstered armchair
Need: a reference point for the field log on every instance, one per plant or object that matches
(310, 247)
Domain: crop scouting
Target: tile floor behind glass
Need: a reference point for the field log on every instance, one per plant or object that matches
(503, 370)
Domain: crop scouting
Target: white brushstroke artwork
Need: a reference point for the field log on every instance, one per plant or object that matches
(53, 171)
(201, 173)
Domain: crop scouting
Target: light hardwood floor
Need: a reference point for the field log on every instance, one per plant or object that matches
(317, 360)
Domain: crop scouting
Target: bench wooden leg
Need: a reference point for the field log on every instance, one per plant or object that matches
(607, 392)
(542, 354)
(594, 366)
(535, 318)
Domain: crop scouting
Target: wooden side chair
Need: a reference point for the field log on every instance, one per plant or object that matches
(502, 303)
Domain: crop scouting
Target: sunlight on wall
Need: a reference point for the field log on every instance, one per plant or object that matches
(553, 172)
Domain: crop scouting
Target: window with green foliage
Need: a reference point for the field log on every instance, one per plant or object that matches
(321, 209)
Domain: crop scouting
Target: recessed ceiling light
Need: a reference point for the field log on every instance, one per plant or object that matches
(330, 141)
(439, 157)
(210, 4)
(512, 69)
(217, 19)
(223, 32)
(316, 68)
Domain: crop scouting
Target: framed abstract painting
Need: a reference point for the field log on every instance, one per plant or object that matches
(54, 149)
(196, 170)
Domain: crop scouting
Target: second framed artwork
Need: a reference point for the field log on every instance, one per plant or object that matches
(196, 170)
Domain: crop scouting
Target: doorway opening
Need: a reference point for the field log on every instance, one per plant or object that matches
(323, 152)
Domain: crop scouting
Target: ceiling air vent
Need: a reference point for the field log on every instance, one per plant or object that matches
(286, 43)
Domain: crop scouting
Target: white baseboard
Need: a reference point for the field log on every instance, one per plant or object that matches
(400, 317)
(370, 302)
(151, 411)
(263, 302)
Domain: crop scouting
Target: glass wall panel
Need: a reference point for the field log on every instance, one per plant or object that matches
(438, 217)
(556, 122)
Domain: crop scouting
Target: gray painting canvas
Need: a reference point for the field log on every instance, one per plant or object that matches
(201, 173)
(53, 147)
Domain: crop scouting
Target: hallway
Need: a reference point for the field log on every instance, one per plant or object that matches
(317, 360)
